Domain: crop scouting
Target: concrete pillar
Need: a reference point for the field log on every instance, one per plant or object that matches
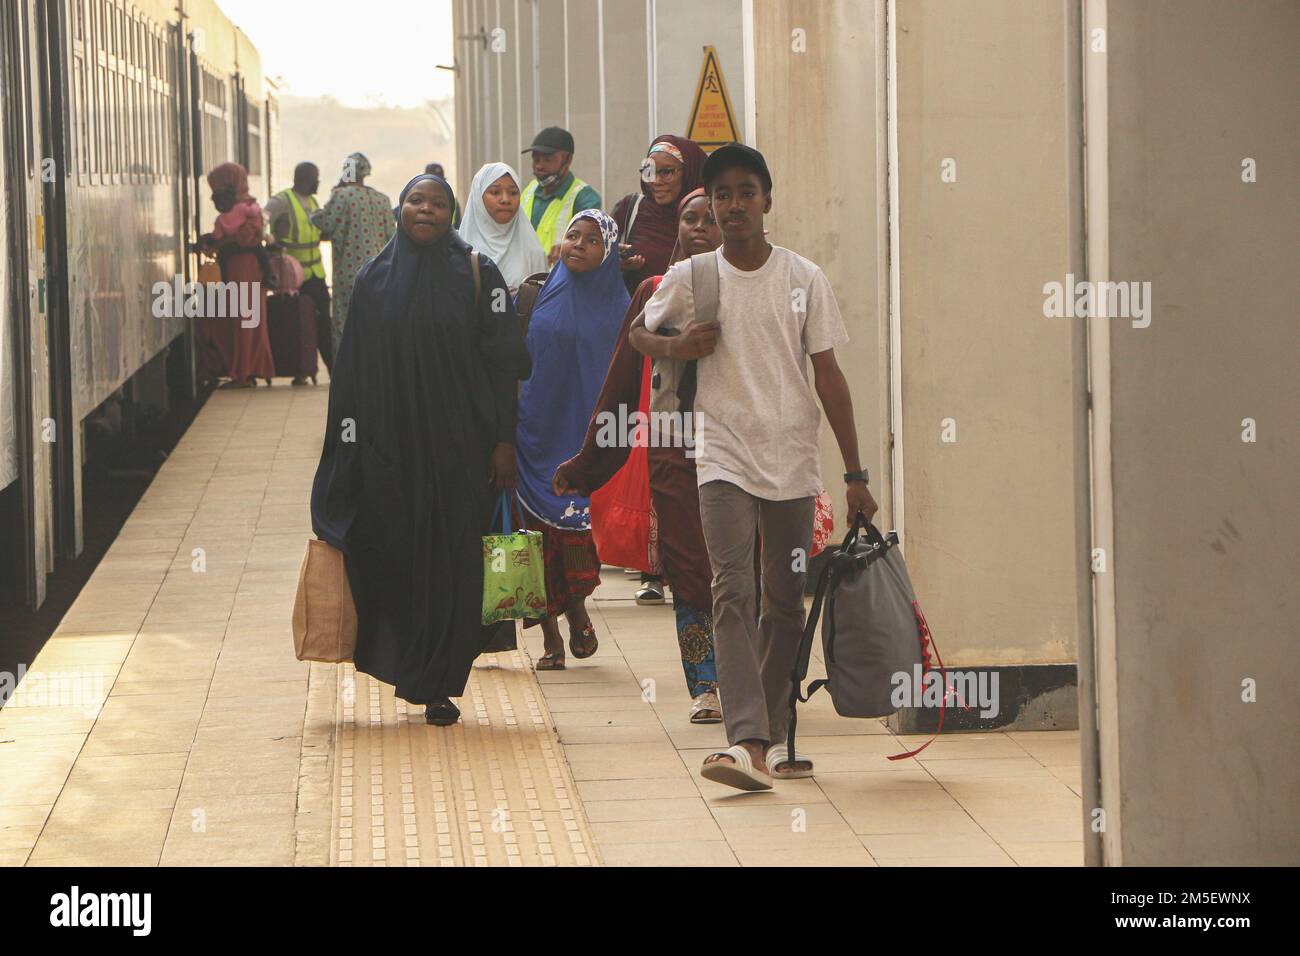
(627, 98)
(994, 453)
(1207, 535)
(583, 80)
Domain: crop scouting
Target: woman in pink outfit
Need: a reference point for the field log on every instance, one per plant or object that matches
(236, 346)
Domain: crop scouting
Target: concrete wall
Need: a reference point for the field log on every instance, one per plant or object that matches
(991, 519)
(682, 29)
(820, 125)
(1207, 534)
(586, 49)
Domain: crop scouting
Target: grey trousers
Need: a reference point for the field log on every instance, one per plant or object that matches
(754, 661)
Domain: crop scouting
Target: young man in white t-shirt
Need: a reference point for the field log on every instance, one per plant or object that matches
(756, 432)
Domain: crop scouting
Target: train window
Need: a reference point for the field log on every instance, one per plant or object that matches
(130, 156)
(150, 87)
(109, 120)
(99, 88)
(144, 84)
(25, 83)
(130, 79)
(164, 106)
(254, 125)
(115, 81)
(142, 166)
(79, 104)
(78, 141)
(165, 102)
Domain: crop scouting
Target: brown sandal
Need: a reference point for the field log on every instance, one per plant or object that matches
(589, 632)
(550, 662)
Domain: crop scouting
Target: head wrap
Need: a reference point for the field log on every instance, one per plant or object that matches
(653, 232)
(678, 252)
(571, 337)
(608, 228)
(669, 148)
(401, 199)
(233, 176)
(356, 167)
(513, 246)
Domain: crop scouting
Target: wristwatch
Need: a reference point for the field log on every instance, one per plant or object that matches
(857, 476)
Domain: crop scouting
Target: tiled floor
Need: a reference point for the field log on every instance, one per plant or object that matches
(969, 799)
(168, 722)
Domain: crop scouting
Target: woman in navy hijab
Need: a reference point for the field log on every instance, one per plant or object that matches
(420, 434)
(571, 337)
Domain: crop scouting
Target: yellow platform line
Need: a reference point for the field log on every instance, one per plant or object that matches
(492, 790)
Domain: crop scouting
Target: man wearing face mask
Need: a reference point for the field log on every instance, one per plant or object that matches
(555, 195)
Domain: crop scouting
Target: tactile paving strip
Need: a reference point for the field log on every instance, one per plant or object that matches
(490, 791)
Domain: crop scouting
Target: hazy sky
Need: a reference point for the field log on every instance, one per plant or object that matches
(363, 52)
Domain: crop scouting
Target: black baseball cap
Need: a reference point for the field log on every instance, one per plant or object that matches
(551, 140)
(736, 154)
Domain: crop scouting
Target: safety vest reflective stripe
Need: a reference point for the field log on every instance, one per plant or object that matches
(557, 214)
(304, 238)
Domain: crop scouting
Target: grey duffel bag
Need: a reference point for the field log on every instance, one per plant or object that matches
(872, 630)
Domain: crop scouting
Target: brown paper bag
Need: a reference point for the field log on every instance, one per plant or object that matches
(324, 614)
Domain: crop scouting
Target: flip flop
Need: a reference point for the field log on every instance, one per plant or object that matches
(588, 631)
(778, 754)
(742, 774)
(706, 709)
(549, 662)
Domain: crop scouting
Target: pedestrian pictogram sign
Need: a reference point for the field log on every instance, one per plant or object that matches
(713, 123)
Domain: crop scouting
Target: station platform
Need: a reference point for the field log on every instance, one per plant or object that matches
(167, 722)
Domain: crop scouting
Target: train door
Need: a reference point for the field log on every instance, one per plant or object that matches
(272, 140)
(56, 130)
(183, 127)
(29, 524)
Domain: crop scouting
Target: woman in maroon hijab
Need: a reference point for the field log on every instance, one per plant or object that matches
(647, 222)
(236, 346)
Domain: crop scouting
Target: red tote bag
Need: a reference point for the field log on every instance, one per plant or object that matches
(624, 526)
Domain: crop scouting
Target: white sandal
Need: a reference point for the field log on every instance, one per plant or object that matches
(778, 754)
(742, 774)
(708, 701)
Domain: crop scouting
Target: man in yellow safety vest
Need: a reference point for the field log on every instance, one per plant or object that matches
(289, 214)
(556, 195)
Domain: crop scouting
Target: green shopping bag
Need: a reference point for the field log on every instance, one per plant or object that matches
(514, 579)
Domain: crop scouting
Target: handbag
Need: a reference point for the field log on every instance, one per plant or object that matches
(622, 514)
(526, 297)
(514, 576)
(286, 273)
(324, 613)
(874, 633)
(209, 273)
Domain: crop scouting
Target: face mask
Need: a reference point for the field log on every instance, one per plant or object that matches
(546, 182)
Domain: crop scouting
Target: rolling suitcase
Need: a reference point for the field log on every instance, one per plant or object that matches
(291, 325)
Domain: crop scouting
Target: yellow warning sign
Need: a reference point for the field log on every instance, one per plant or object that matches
(713, 123)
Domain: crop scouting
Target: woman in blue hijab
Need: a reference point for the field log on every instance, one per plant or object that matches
(571, 336)
(421, 430)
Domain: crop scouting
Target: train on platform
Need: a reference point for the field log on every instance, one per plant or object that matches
(111, 112)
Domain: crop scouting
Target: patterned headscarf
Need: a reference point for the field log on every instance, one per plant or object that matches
(608, 228)
(357, 165)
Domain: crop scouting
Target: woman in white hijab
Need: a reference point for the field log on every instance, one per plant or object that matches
(493, 226)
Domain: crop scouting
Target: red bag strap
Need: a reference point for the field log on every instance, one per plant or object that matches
(928, 642)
